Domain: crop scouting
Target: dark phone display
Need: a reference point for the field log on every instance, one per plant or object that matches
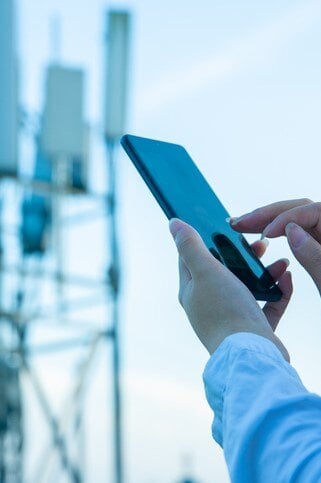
(183, 192)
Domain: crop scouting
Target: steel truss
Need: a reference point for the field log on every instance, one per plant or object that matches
(25, 311)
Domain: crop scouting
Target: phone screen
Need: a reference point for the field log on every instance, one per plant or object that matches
(183, 192)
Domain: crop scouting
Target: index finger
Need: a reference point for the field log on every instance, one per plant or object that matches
(257, 220)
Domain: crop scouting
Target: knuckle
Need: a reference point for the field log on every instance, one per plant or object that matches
(184, 242)
(317, 205)
(310, 258)
(181, 297)
(315, 260)
(306, 201)
(258, 211)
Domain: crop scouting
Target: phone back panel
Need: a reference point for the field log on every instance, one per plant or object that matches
(183, 192)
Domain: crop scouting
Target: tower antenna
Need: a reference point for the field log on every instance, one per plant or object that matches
(55, 38)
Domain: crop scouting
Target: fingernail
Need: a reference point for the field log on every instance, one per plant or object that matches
(296, 235)
(232, 220)
(286, 260)
(175, 226)
(264, 232)
(265, 241)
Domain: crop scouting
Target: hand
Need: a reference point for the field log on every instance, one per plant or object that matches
(216, 302)
(299, 221)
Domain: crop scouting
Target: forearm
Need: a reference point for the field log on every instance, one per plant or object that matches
(267, 422)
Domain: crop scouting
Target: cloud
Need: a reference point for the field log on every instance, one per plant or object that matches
(229, 61)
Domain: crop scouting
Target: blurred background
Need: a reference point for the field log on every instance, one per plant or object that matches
(100, 373)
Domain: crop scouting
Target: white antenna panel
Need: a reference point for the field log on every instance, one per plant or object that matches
(116, 76)
(63, 121)
(8, 90)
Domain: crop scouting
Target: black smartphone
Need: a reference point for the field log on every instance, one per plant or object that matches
(183, 192)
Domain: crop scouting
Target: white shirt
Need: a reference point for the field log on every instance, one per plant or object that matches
(267, 422)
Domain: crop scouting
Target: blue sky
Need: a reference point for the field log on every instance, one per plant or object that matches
(238, 83)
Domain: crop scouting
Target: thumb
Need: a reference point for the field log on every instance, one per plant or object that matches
(190, 247)
(306, 250)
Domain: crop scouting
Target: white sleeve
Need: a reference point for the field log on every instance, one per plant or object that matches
(268, 424)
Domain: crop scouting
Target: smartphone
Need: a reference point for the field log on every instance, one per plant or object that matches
(182, 192)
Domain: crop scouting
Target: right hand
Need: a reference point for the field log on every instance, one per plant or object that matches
(299, 221)
(216, 302)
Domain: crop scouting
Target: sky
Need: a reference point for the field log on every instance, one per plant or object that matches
(238, 84)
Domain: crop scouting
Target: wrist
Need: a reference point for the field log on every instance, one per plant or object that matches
(216, 340)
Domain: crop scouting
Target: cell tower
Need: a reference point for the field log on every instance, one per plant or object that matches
(60, 174)
(187, 461)
(8, 89)
(11, 432)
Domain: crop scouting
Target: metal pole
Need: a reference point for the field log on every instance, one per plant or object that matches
(58, 439)
(114, 279)
(60, 176)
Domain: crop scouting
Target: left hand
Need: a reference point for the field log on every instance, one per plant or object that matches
(216, 302)
(299, 220)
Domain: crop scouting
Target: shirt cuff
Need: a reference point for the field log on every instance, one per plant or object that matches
(219, 369)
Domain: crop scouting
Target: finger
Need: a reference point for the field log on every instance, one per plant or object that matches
(257, 220)
(277, 269)
(191, 247)
(308, 217)
(306, 250)
(274, 310)
(259, 247)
